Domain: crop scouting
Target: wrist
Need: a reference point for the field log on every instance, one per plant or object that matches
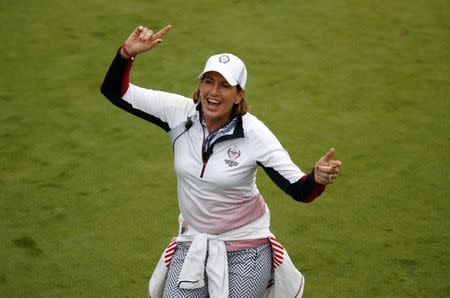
(126, 53)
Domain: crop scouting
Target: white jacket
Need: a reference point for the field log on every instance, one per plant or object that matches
(217, 193)
(286, 281)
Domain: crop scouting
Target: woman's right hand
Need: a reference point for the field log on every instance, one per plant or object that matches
(142, 39)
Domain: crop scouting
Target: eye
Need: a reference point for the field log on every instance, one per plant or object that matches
(208, 81)
(225, 85)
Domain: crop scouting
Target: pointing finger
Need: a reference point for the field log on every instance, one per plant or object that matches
(329, 154)
(163, 31)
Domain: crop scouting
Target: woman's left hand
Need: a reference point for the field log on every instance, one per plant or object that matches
(326, 170)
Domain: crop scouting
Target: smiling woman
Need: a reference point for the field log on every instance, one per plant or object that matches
(221, 89)
(217, 98)
(224, 247)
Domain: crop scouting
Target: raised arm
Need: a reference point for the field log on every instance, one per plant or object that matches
(158, 107)
(117, 78)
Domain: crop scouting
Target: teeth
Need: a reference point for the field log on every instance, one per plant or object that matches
(213, 101)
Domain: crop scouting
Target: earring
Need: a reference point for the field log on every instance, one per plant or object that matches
(236, 102)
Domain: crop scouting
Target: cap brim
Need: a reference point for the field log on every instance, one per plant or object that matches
(229, 78)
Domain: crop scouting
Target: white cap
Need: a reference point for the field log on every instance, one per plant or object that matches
(229, 66)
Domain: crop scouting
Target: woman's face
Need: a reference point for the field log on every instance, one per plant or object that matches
(217, 99)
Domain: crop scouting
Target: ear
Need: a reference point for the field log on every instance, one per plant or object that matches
(240, 96)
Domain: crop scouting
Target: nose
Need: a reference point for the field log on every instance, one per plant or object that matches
(215, 89)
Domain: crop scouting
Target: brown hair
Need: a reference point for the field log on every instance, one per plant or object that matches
(238, 109)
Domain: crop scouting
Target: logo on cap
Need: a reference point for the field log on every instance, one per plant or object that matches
(224, 59)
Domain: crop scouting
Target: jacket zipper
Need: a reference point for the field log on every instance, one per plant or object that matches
(204, 157)
(203, 168)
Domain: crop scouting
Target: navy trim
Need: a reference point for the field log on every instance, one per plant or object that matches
(238, 130)
(112, 88)
(299, 190)
(237, 133)
(150, 118)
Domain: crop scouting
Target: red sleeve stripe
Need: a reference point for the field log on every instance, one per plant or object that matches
(126, 78)
(317, 190)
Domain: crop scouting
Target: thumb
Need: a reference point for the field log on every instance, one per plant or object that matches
(329, 155)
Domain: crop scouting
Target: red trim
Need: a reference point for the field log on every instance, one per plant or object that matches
(317, 191)
(126, 52)
(126, 79)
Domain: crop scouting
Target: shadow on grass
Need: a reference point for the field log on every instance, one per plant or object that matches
(28, 244)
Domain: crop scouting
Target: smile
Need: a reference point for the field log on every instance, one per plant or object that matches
(214, 102)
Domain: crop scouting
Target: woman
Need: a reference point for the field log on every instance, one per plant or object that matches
(224, 247)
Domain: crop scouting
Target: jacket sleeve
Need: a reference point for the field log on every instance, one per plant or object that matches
(164, 109)
(276, 162)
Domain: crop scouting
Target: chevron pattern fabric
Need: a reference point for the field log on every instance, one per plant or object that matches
(249, 273)
(171, 289)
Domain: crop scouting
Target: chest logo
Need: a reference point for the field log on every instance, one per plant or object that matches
(233, 154)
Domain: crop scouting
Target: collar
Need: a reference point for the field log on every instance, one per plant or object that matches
(237, 133)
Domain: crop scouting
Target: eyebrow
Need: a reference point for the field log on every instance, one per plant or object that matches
(211, 78)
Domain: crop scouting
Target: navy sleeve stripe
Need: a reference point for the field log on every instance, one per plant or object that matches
(304, 190)
(129, 108)
(116, 83)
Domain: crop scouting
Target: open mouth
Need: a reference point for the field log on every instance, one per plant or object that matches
(213, 102)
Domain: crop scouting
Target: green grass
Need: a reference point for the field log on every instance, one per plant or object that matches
(87, 192)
